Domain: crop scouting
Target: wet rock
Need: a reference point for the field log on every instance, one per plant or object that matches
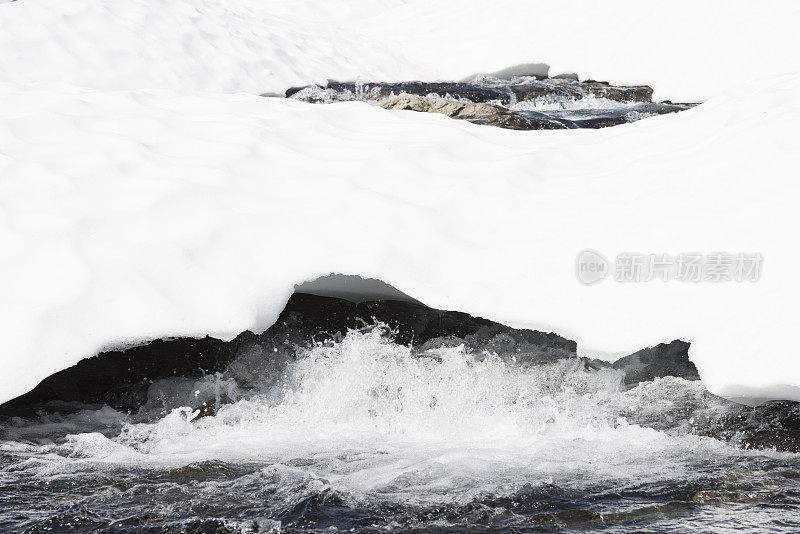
(665, 359)
(579, 516)
(121, 378)
(620, 93)
(476, 93)
(210, 407)
(520, 103)
(330, 318)
(550, 89)
(77, 519)
(482, 90)
(478, 112)
(723, 497)
(772, 425)
(600, 122)
(519, 346)
(646, 513)
(566, 76)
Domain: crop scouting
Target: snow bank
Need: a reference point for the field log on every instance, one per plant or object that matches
(138, 199)
(686, 50)
(140, 214)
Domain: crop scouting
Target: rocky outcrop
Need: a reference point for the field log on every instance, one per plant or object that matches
(525, 103)
(478, 112)
(620, 93)
(330, 317)
(503, 92)
(121, 378)
(772, 425)
(665, 359)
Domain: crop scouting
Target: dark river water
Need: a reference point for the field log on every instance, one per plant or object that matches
(365, 435)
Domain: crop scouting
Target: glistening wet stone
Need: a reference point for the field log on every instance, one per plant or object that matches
(520, 103)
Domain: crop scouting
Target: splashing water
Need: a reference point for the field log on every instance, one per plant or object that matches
(365, 433)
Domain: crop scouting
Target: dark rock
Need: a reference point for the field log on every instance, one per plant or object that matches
(121, 378)
(481, 113)
(566, 76)
(292, 90)
(579, 516)
(600, 122)
(481, 92)
(772, 425)
(471, 92)
(662, 360)
(494, 102)
(210, 407)
(620, 93)
(329, 318)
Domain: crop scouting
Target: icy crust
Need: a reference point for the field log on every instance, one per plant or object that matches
(255, 47)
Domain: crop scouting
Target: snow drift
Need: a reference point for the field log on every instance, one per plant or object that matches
(139, 199)
(686, 50)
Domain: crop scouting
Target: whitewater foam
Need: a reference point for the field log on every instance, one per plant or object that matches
(366, 415)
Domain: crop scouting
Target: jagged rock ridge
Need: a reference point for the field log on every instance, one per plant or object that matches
(121, 378)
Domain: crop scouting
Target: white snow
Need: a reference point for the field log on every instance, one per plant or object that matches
(686, 50)
(139, 198)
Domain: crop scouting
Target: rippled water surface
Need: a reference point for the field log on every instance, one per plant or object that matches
(368, 435)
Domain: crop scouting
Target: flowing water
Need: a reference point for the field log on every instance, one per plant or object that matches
(367, 435)
(566, 102)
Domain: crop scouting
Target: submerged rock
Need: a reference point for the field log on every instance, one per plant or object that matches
(724, 497)
(772, 425)
(478, 112)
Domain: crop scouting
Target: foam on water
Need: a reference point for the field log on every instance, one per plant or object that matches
(561, 102)
(368, 416)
